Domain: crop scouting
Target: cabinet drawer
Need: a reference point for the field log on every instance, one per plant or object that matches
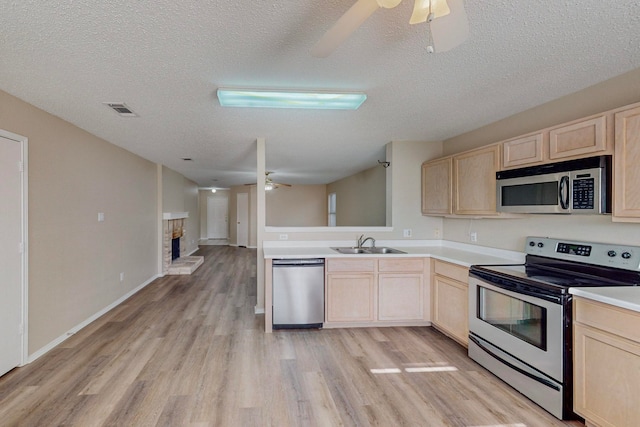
(366, 265)
(401, 265)
(615, 320)
(453, 271)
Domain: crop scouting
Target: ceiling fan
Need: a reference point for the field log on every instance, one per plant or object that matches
(269, 184)
(447, 21)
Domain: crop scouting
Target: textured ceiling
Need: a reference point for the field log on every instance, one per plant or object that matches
(166, 58)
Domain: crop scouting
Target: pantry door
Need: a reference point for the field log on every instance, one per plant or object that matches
(12, 250)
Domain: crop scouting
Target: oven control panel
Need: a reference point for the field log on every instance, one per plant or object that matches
(572, 248)
(605, 254)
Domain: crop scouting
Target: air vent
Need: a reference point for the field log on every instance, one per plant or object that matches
(121, 109)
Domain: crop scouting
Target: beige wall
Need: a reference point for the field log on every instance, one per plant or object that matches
(75, 261)
(297, 206)
(610, 94)
(253, 220)
(510, 234)
(361, 198)
(180, 194)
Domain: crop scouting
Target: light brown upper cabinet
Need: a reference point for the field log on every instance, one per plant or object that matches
(474, 181)
(578, 139)
(586, 137)
(626, 205)
(463, 184)
(437, 180)
(522, 151)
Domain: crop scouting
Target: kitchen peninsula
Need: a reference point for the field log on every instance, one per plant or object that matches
(386, 281)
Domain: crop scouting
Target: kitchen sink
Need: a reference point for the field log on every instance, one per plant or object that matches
(385, 250)
(351, 250)
(368, 251)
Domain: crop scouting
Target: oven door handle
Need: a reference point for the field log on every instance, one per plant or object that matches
(512, 366)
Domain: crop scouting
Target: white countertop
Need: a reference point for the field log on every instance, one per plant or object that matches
(457, 253)
(620, 296)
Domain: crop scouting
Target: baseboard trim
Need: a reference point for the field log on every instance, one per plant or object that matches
(32, 357)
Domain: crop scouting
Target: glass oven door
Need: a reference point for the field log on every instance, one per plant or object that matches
(528, 328)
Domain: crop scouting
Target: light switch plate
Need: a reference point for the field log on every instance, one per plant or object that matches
(100, 216)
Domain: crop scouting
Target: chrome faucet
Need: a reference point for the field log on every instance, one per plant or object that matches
(362, 240)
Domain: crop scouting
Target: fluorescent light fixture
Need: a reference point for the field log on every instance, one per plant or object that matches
(288, 99)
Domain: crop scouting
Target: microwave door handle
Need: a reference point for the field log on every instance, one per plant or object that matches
(564, 192)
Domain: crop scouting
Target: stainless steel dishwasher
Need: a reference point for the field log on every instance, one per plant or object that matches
(298, 293)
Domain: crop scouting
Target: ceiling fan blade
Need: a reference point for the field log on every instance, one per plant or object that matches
(451, 30)
(421, 10)
(347, 24)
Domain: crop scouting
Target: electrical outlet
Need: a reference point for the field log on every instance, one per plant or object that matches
(100, 216)
(284, 237)
(436, 233)
(122, 277)
(473, 236)
(406, 232)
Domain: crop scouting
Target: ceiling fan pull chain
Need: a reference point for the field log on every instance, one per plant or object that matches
(430, 48)
(430, 17)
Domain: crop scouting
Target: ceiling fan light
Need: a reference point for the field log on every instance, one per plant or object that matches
(421, 10)
(388, 4)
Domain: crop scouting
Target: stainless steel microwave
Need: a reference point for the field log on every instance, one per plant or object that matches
(574, 186)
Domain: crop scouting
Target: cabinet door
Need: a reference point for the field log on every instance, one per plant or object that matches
(588, 136)
(400, 296)
(522, 151)
(436, 187)
(475, 181)
(626, 206)
(606, 378)
(351, 297)
(450, 308)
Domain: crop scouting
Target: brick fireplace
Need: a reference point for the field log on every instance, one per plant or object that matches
(174, 240)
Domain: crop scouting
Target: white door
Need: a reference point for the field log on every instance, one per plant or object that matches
(242, 217)
(217, 217)
(11, 253)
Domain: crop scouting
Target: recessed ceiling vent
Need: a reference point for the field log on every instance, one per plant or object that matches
(121, 108)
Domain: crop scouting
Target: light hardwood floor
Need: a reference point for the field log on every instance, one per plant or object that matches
(189, 351)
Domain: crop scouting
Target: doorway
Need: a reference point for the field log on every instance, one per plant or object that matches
(218, 217)
(242, 219)
(13, 251)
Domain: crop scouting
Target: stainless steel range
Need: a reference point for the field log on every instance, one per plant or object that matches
(520, 315)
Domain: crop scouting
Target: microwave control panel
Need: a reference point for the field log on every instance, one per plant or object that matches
(583, 193)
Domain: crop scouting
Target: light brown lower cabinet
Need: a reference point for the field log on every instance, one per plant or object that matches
(450, 299)
(400, 296)
(606, 364)
(370, 291)
(351, 297)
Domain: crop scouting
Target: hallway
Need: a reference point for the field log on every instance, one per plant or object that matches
(189, 351)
